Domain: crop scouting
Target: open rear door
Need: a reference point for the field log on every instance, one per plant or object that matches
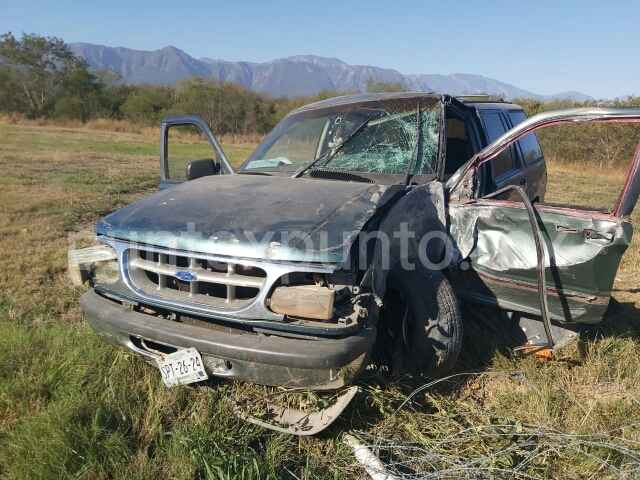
(183, 153)
(555, 262)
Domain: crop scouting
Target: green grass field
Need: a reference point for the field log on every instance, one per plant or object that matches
(72, 406)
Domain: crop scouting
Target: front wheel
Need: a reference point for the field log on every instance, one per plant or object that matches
(422, 314)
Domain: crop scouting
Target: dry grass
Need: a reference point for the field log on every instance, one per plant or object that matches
(123, 126)
(586, 185)
(72, 406)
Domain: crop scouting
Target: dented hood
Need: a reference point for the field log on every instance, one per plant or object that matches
(251, 216)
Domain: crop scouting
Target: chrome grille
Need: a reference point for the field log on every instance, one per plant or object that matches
(218, 284)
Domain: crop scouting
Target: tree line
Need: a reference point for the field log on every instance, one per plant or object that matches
(41, 77)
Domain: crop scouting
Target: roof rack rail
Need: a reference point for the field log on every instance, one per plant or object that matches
(480, 98)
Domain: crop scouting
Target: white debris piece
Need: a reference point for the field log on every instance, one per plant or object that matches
(372, 464)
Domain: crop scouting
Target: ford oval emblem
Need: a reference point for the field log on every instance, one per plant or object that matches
(186, 275)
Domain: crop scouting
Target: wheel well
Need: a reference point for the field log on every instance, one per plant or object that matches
(414, 303)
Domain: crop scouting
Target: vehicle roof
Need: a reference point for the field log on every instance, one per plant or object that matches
(366, 97)
(492, 105)
(472, 100)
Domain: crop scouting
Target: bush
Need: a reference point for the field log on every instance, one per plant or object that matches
(141, 109)
(72, 108)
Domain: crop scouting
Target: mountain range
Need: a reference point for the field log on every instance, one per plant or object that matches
(291, 76)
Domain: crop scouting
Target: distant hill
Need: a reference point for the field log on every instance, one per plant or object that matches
(291, 76)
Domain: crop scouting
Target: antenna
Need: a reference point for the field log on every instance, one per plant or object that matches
(220, 89)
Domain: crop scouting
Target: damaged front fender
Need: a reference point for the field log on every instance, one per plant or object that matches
(414, 229)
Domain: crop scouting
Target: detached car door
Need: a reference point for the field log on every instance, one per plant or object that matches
(183, 153)
(554, 261)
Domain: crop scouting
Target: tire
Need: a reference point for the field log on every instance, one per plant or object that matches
(429, 327)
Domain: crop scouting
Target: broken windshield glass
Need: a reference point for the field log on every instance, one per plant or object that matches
(375, 137)
(386, 144)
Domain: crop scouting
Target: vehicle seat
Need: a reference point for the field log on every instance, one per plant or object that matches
(458, 152)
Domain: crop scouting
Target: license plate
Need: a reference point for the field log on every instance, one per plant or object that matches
(182, 367)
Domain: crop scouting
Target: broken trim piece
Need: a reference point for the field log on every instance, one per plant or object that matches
(542, 281)
(298, 422)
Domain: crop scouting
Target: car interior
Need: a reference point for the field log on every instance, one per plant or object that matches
(459, 146)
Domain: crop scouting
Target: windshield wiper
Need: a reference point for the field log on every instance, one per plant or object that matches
(414, 155)
(329, 154)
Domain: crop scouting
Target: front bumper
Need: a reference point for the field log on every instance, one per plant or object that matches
(289, 362)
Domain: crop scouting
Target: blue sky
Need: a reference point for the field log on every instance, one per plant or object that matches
(543, 46)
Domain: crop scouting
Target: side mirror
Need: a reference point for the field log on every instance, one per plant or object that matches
(201, 168)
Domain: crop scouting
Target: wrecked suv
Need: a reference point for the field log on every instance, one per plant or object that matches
(348, 239)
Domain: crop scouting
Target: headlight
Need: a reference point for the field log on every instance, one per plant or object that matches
(99, 263)
(306, 301)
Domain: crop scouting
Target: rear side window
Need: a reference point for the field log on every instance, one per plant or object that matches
(529, 145)
(496, 128)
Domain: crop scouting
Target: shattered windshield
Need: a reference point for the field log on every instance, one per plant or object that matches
(375, 137)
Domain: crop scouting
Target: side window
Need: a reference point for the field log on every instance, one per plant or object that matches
(495, 128)
(185, 144)
(529, 145)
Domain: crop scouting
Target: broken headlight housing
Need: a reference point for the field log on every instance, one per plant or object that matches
(305, 301)
(97, 263)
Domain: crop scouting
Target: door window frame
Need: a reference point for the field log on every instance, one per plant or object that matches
(188, 120)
